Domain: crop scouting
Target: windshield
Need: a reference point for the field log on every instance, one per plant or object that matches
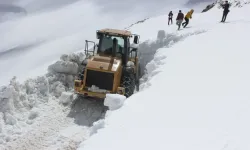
(107, 44)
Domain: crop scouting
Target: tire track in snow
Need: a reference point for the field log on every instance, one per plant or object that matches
(21, 49)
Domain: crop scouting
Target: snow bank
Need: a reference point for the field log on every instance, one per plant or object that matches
(17, 97)
(21, 104)
(66, 98)
(96, 126)
(114, 101)
(150, 60)
(69, 64)
(62, 73)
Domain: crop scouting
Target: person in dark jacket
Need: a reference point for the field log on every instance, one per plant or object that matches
(170, 16)
(225, 11)
(179, 19)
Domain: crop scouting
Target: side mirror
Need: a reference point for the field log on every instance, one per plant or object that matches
(98, 35)
(136, 39)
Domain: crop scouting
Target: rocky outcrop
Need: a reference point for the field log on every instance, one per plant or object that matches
(233, 3)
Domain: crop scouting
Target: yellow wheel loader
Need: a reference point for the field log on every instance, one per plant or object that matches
(111, 66)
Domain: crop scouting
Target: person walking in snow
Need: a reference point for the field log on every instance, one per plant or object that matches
(170, 16)
(179, 19)
(187, 17)
(225, 11)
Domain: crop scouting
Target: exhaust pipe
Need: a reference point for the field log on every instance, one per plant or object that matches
(115, 43)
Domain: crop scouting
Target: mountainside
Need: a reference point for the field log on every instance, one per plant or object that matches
(194, 93)
(233, 3)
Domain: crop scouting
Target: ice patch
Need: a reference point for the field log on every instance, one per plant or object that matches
(114, 101)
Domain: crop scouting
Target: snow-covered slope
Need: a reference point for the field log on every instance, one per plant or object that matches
(49, 29)
(31, 43)
(233, 3)
(236, 3)
(194, 92)
(43, 112)
(196, 95)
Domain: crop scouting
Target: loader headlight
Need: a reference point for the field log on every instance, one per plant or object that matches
(130, 64)
(78, 83)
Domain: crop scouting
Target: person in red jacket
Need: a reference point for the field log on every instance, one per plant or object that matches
(179, 19)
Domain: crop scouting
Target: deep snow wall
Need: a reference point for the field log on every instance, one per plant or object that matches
(148, 50)
(20, 103)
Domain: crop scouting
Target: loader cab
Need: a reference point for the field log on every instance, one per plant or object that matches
(115, 44)
(110, 66)
(111, 45)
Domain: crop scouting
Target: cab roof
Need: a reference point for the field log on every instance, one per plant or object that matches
(115, 32)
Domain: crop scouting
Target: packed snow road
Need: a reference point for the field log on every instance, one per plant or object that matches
(46, 131)
(58, 128)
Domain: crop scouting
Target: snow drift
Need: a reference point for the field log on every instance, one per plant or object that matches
(21, 104)
(197, 99)
(114, 101)
(194, 94)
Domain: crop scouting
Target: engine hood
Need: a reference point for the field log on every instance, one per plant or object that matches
(104, 63)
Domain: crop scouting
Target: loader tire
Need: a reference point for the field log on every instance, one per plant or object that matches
(137, 80)
(128, 83)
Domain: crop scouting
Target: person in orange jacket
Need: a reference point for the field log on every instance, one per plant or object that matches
(187, 17)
